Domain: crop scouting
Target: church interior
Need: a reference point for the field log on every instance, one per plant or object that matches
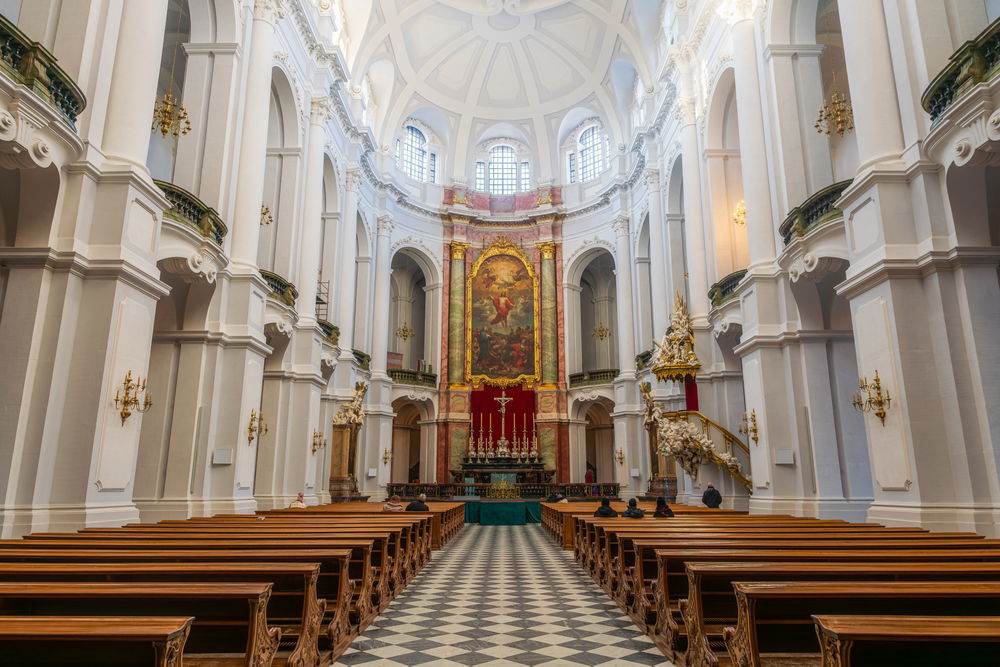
(270, 269)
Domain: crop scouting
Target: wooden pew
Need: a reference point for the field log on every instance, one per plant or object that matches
(293, 607)
(907, 640)
(230, 625)
(775, 618)
(94, 640)
(711, 603)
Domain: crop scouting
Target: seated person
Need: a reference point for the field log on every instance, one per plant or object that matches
(392, 505)
(662, 508)
(605, 510)
(633, 511)
(553, 497)
(299, 502)
(418, 505)
(562, 499)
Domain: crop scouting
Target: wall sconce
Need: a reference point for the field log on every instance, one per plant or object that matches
(872, 398)
(265, 215)
(319, 441)
(620, 456)
(601, 332)
(405, 332)
(740, 214)
(257, 427)
(748, 426)
(127, 398)
(386, 457)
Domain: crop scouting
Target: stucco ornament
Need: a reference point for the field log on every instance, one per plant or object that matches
(353, 413)
(684, 441)
(674, 358)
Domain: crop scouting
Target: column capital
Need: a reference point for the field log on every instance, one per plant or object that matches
(620, 225)
(270, 11)
(384, 225)
(735, 11)
(322, 110)
(547, 248)
(652, 177)
(352, 179)
(458, 249)
(684, 110)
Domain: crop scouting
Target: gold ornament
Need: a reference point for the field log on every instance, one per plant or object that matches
(127, 398)
(837, 115)
(873, 399)
(740, 214)
(601, 332)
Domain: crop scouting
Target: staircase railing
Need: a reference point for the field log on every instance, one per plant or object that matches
(731, 445)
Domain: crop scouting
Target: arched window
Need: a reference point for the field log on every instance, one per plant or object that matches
(591, 154)
(503, 170)
(412, 154)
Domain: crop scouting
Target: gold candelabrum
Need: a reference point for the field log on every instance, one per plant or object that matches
(265, 215)
(257, 426)
(405, 332)
(127, 398)
(386, 456)
(318, 441)
(872, 398)
(740, 214)
(170, 116)
(837, 115)
(748, 426)
(601, 332)
(620, 456)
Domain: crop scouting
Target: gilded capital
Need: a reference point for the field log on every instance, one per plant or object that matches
(458, 249)
(270, 11)
(547, 248)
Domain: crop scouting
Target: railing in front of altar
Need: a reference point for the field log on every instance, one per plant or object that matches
(526, 491)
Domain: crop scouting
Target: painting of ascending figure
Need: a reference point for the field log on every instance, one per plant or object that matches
(502, 294)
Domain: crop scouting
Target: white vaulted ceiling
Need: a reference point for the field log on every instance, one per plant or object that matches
(477, 69)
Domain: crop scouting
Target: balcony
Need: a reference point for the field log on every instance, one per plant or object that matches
(725, 289)
(976, 61)
(414, 378)
(281, 289)
(588, 378)
(27, 62)
(188, 210)
(814, 211)
(363, 359)
(331, 332)
(643, 359)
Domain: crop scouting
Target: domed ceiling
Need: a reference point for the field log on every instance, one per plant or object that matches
(473, 70)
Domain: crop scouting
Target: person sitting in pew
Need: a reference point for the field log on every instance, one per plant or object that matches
(711, 498)
(605, 510)
(392, 505)
(662, 509)
(553, 497)
(633, 511)
(418, 505)
(299, 502)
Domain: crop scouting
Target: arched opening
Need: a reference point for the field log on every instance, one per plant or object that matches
(600, 442)
(277, 248)
(408, 319)
(162, 154)
(364, 285)
(833, 70)
(674, 235)
(328, 239)
(406, 444)
(644, 287)
(598, 314)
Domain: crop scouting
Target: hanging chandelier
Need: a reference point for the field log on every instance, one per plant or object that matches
(169, 115)
(740, 214)
(405, 332)
(837, 115)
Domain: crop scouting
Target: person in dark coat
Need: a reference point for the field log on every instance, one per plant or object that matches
(418, 505)
(633, 511)
(662, 509)
(605, 510)
(711, 498)
(553, 498)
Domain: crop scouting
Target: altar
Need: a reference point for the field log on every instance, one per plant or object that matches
(503, 512)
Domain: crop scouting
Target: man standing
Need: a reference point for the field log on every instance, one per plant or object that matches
(418, 505)
(711, 498)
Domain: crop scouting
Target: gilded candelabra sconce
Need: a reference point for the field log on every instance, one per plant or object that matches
(601, 332)
(318, 441)
(620, 456)
(127, 398)
(405, 332)
(265, 215)
(837, 115)
(872, 398)
(748, 426)
(740, 214)
(386, 456)
(257, 427)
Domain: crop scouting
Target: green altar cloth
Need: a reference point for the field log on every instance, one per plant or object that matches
(503, 513)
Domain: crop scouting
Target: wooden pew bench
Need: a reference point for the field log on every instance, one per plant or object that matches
(919, 641)
(711, 603)
(293, 607)
(230, 626)
(775, 618)
(92, 641)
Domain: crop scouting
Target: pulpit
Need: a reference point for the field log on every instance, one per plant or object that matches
(343, 448)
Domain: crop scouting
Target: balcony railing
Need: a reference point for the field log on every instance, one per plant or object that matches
(725, 289)
(813, 211)
(188, 210)
(527, 491)
(30, 64)
(643, 359)
(975, 61)
(416, 378)
(281, 289)
(330, 331)
(587, 378)
(364, 360)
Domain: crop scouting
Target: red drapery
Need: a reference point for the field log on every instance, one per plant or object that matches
(690, 393)
(520, 411)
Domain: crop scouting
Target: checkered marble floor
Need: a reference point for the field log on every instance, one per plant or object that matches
(502, 595)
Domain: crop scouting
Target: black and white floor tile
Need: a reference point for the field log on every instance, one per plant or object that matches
(502, 595)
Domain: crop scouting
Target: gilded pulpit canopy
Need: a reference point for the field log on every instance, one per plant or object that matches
(674, 358)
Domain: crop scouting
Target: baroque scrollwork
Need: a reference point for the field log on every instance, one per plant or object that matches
(674, 357)
(353, 413)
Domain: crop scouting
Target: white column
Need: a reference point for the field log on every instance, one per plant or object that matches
(380, 331)
(253, 141)
(623, 283)
(133, 82)
(344, 287)
(311, 218)
(657, 261)
(694, 225)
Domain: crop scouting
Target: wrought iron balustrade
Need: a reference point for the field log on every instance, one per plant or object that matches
(725, 289)
(976, 61)
(364, 360)
(817, 209)
(188, 210)
(416, 378)
(29, 63)
(330, 331)
(281, 289)
(526, 491)
(587, 378)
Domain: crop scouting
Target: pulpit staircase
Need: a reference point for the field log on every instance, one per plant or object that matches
(715, 445)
